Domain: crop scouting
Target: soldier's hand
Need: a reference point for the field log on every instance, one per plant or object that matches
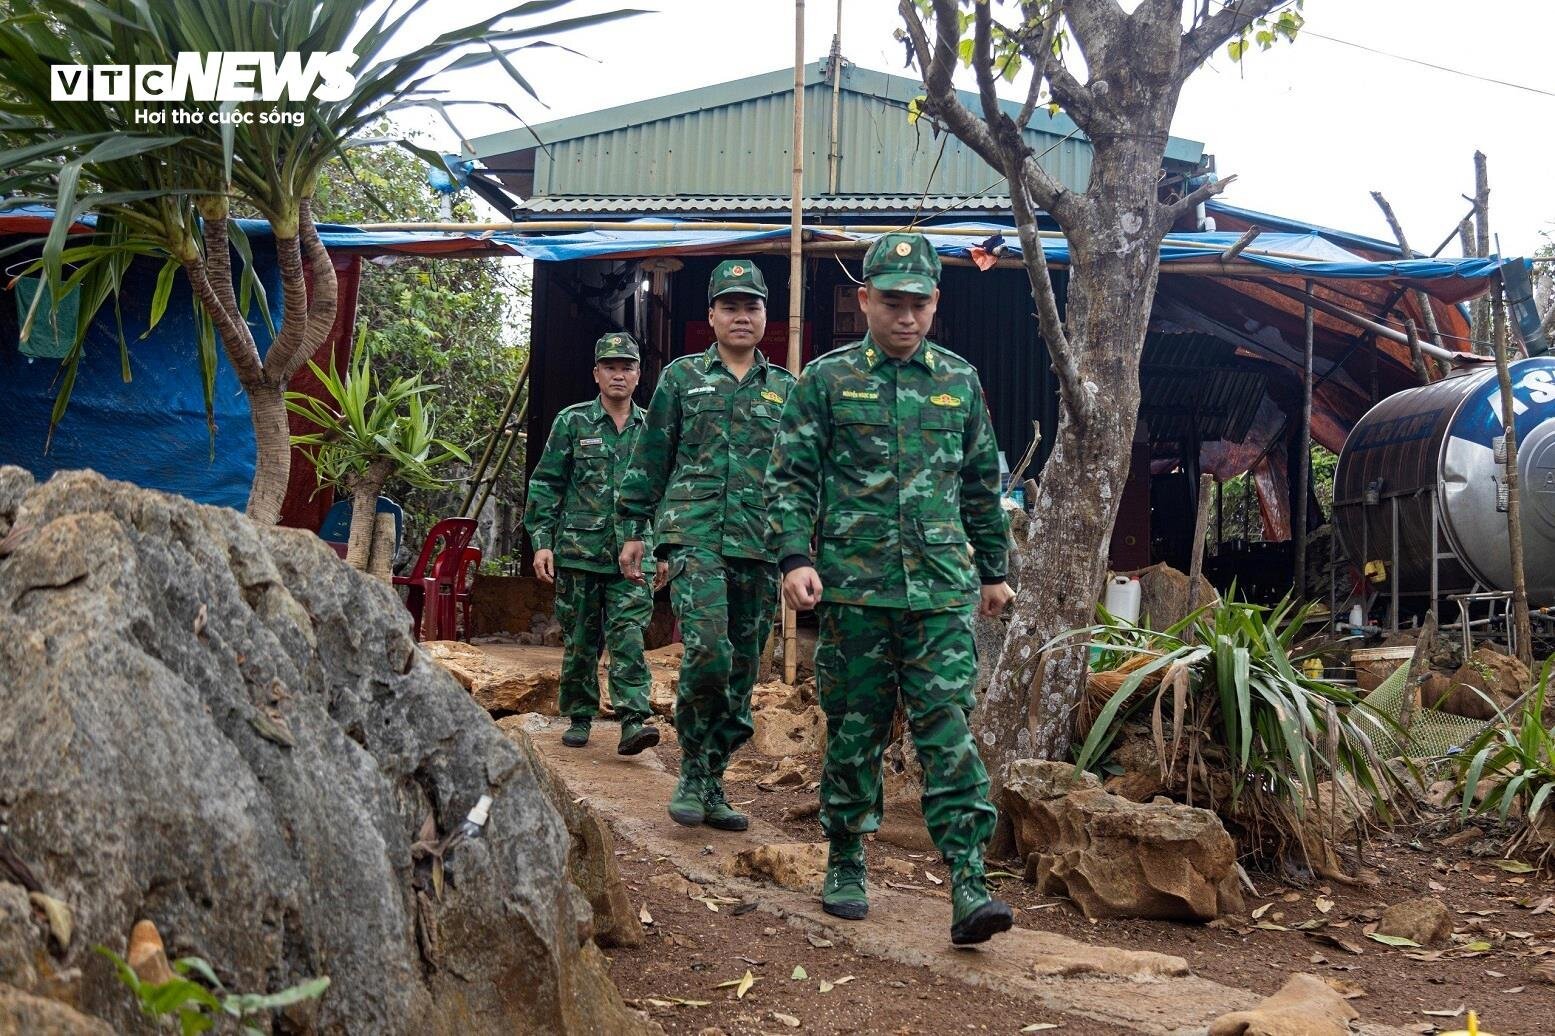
(802, 588)
(661, 575)
(995, 597)
(632, 560)
(545, 565)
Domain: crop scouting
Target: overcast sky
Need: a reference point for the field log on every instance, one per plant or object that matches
(1311, 128)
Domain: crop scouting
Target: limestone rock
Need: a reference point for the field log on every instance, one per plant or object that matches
(591, 859)
(1424, 919)
(799, 866)
(664, 668)
(785, 719)
(1163, 594)
(746, 767)
(253, 783)
(786, 774)
(1488, 674)
(22, 1014)
(1117, 858)
(1304, 1006)
(676, 885)
(504, 680)
(20, 939)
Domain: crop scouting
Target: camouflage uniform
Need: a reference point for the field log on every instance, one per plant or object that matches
(571, 510)
(700, 465)
(892, 468)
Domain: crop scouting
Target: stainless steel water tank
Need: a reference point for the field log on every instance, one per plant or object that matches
(1445, 437)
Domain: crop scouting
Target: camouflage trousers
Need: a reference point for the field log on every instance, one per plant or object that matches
(864, 658)
(725, 607)
(589, 604)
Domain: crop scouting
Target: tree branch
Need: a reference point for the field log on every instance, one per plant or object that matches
(1422, 300)
(941, 92)
(1172, 211)
(1071, 385)
(1041, 59)
(982, 62)
(1199, 42)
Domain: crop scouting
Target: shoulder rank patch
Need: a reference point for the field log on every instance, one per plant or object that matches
(700, 389)
(856, 394)
(945, 399)
(594, 441)
(770, 396)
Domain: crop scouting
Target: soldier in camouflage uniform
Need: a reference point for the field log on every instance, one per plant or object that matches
(700, 465)
(570, 515)
(886, 460)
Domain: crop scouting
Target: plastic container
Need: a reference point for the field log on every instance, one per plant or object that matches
(1122, 598)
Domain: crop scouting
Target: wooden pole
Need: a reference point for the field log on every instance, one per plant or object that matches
(1200, 530)
(1514, 513)
(1482, 319)
(833, 156)
(795, 293)
(1304, 462)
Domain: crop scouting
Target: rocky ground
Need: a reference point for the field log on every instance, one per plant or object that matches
(1485, 928)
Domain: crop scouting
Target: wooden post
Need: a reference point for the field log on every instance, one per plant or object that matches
(1304, 465)
(795, 293)
(1514, 514)
(1419, 669)
(1200, 529)
(1483, 319)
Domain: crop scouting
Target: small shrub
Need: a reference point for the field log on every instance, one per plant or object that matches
(1237, 725)
(199, 1009)
(1517, 755)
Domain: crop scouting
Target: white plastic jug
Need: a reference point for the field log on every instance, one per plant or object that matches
(1122, 599)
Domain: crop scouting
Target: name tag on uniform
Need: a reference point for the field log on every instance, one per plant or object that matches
(771, 397)
(945, 399)
(859, 394)
(700, 389)
(596, 441)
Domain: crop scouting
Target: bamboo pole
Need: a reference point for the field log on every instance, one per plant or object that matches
(491, 443)
(1200, 530)
(796, 294)
(833, 156)
(1304, 467)
(1514, 515)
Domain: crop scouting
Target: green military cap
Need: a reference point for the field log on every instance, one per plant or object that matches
(902, 262)
(617, 345)
(736, 277)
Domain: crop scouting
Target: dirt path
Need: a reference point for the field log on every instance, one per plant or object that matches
(1136, 991)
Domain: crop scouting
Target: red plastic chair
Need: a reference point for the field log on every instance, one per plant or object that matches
(436, 576)
(468, 567)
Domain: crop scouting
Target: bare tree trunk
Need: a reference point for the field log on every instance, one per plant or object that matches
(272, 451)
(364, 510)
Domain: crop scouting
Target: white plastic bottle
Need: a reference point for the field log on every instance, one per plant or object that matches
(1122, 599)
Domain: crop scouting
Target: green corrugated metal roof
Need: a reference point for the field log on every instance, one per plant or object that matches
(733, 139)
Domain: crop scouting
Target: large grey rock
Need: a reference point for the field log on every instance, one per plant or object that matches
(221, 728)
(1117, 858)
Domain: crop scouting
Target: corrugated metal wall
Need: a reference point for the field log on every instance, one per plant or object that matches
(743, 149)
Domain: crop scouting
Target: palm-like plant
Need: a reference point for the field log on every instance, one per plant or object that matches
(1516, 755)
(168, 193)
(366, 436)
(1237, 724)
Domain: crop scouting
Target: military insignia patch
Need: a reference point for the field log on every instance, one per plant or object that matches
(857, 394)
(615, 339)
(945, 399)
(737, 271)
(771, 397)
(591, 442)
(700, 389)
(903, 248)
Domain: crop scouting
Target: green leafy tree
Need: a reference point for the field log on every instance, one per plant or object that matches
(365, 436)
(462, 323)
(167, 192)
